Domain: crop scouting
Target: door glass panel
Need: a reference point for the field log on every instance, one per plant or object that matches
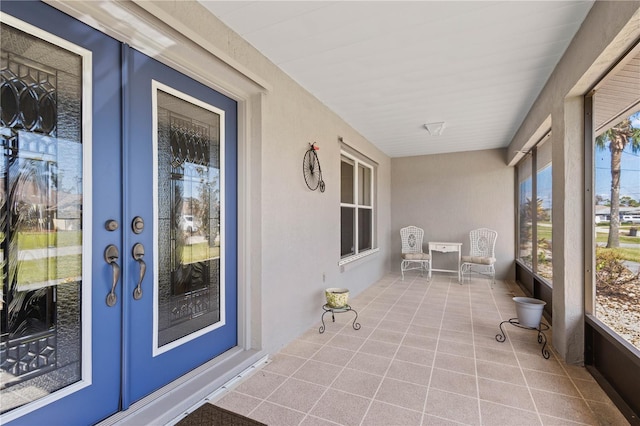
(189, 217)
(40, 217)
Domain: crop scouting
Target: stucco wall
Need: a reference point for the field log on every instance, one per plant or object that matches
(450, 194)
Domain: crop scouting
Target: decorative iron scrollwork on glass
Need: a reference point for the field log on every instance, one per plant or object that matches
(29, 99)
(189, 142)
(28, 121)
(189, 179)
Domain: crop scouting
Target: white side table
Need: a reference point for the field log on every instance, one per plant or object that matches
(444, 248)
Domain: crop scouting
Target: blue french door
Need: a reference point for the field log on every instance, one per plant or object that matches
(118, 217)
(180, 179)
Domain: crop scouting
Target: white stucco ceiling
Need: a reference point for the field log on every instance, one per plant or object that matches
(387, 68)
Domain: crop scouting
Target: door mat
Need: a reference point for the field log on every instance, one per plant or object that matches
(211, 415)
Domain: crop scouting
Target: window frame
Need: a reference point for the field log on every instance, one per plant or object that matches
(357, 162)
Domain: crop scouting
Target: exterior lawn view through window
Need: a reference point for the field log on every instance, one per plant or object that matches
(616, 165)
(534, 210)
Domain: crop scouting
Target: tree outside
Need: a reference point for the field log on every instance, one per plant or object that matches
(616, 140)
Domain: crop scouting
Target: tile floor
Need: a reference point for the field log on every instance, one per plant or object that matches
(426, 354)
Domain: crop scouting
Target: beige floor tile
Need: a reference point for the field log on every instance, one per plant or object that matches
(591, 391)
(415, 355)
(455, 363)
(506, 394)
(535, 361)
(430, 420)
(317, 372)
(261, 384)
(555, 421)
(375, 347)
(298, 395)
(316, 421)
(456, 336)
(457, 325)
(284, 364)
(363, 332)
(456, 348)
(381, 414)
(434, 321)
(500, 415)
(238, 403)
(272, 414)
(404, 394)
(341, 407)
(409, 372)
(357, 382)
(368, 363)
(400, 316)
(500, 372)
(422, 330)
(578, 372)
(313, 336)
(422, 342)
(607, 414)
(450, 381)
(394, 326)
(335, 356)
(351, 343)
(564, 407)
(452, 406)
(501, 353)
(551, 383)
(422, 346)
(301, 348)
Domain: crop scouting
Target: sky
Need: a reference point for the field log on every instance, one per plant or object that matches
(629, 178)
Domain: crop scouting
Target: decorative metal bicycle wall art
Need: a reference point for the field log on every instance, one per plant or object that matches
(311, 169)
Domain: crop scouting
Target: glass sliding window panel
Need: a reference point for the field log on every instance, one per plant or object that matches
(525, 211)
(544, 208)
(347, 231)
(364, 185)
(365, 237)
(190, 243)
(346, 181)
(41, 224)
(616, 220)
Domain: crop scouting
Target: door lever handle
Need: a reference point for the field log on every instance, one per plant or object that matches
(138, 254)
(111, 255)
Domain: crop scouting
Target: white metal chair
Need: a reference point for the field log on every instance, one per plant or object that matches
(482, 256)
(412, 256)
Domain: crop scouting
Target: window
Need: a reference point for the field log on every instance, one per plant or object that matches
(543, 210)
(616, 200)
(534, 210)
(356, 207)
(525, 222)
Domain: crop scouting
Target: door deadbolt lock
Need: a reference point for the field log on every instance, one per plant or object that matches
(137, 225)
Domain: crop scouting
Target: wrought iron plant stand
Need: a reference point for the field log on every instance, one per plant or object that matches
(542, 338)
(345, 308)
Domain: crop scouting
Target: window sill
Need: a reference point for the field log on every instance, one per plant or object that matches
(358, 256)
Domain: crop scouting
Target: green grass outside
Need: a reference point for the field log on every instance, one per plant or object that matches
(199, 252)
(47, 269)
(628, 253)
(37, 240)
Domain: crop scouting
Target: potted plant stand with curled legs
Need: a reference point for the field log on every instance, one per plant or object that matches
(337, 303)
(529, 317)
